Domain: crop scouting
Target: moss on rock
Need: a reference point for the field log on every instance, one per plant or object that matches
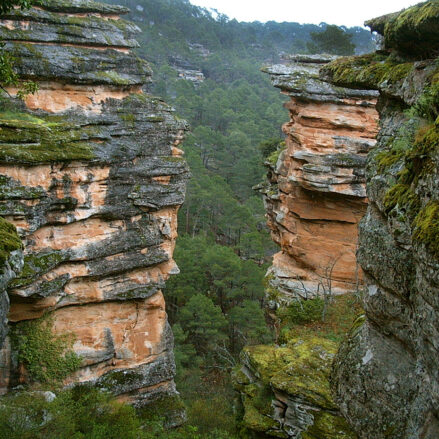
(366, 71)
(9, 240)
(426, 227)
(36, 265)
(29, 139)
(414, 31)
(299, 370)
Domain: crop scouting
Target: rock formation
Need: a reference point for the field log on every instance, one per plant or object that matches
(92, 177)
(386, 376)
(285, 393)
(316, 195)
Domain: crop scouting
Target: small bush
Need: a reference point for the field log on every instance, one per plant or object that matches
(303, 311)
(48, 357)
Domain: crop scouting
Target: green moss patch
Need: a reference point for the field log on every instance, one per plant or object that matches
(366, 71)
(328, 426)
(29, 139)
(36, 265)
(414, 31)
(9, 240)
(300, 369)
(426, 227)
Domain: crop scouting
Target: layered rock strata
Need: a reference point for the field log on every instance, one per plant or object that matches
(92, 177)
(284, 391)
(386, 376)
(316, 194)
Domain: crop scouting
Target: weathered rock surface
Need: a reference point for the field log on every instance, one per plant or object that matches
(284, 391)
(316, 194)
(11, 264)
(92, 177)
(386, 376)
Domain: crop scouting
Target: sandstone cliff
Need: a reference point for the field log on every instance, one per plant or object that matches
(386, 377)
(316, 194)
(92, 177)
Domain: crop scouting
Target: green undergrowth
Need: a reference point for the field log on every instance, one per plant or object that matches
(311, 318)
(29, 139)
(46, 356)
(84, 412)
(366, 71)
(9, 240)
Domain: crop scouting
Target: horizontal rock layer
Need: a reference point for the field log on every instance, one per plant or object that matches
(385, 376)
(92, 177)
(316, 191)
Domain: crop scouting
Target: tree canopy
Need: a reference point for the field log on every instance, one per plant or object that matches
(333, 40)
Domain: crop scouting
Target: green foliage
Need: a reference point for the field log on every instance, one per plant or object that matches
(267, 147)
(83, 412)
(274, 156)
(7, 75)
(9, 240)
(47, 357)
(341, 311)
(303, 311)
(333, 40)
(7, 5)
(204, 323)
(247, 324)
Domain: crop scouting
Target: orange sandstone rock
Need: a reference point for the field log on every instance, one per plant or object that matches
(92, 177)
(316, 194)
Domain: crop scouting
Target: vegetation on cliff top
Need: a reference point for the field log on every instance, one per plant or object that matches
(366, 71)
(414, 31)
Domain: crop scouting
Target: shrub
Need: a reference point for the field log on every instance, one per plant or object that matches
(303, 311)
(48, 357)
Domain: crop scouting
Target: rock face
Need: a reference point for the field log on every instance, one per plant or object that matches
(316, 193)
(92, 177)
(285, 393)
(386, 376)
(11, 264)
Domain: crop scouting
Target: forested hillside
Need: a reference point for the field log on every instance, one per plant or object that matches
(209, 67)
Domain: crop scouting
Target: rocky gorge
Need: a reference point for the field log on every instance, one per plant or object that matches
(91, 181)
(383, 377)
